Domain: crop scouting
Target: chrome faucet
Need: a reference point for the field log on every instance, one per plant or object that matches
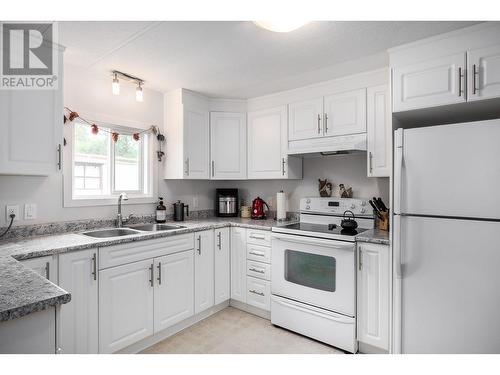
(119, 218)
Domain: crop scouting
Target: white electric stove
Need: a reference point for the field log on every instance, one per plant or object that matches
(313, 280)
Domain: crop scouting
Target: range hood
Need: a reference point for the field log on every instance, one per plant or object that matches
(341, 144)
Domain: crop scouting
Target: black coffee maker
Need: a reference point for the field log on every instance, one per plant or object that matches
(226, 203)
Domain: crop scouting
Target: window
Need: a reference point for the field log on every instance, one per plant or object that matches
(102, 169)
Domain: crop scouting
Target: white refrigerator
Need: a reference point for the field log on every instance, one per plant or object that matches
(446, 238)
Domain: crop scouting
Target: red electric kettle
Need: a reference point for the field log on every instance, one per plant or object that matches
(258, 208)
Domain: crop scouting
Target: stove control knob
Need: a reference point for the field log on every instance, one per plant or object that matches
(353, 206)
(308, 207)
(308, 200)
(363, 203)
(363, 210)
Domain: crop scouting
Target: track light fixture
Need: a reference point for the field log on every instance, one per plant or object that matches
(115, 86)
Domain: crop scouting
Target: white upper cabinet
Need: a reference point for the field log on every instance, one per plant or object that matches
(267, 146)
(196, 143)
(345, 113)
(174, 291)
(187, 133)
(483, 73)
(379, 127)
(305, 119)
(228, 136)
(430, 83)
(203, 270)
(78, 273)
(221, 265)
(31, 124)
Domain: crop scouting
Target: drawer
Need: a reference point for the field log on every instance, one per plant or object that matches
(259, 293)
(259, 237)
(259, 253)
(259, 270)
(115, 255)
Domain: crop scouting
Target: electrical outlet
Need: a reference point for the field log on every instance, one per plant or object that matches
(30, 211)
(11, 209)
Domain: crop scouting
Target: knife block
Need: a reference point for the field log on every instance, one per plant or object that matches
(383, 224)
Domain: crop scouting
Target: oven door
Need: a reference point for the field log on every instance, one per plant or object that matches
(315, 271)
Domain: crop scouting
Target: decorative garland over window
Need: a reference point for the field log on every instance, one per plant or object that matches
(71, 115)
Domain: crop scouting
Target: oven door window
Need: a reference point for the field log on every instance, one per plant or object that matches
(311, 270)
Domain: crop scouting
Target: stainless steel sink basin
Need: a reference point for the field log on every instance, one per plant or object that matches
(155, 227)
(105, 233)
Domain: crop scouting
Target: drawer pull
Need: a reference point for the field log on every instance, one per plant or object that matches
(255, 292)
(257, 253)
(257, 237)
(257, 270)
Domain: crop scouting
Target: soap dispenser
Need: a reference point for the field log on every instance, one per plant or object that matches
(161, 212)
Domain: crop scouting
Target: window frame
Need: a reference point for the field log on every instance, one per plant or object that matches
(148, 169)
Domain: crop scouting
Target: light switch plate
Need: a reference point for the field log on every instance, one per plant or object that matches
(30, 211)
(14, 209)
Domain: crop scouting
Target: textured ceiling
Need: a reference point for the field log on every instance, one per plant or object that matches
(233, 59)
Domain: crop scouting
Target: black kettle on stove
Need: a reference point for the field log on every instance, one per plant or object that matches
(349, 223)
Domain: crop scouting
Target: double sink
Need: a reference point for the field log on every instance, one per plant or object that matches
(133, 229)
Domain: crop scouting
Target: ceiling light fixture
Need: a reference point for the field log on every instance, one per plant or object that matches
(115, 86)
(282, 26)
(139, 95)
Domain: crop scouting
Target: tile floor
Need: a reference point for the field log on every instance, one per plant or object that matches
(232, 331)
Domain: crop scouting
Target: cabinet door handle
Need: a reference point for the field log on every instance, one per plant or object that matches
(187, 166)
(219, 236)
(283, 166)
(94, 266)
(326, 123)
(460, 76)
(475, 73)
(159, 273)
(151, 275)
(59, 156)
(319, 126)
(213, 168)
(360, 263)
(256, 270)
(47, 270)
(370, 160)
(199, 245)
(255, 292)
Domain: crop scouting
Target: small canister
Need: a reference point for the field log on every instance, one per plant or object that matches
(246, 212)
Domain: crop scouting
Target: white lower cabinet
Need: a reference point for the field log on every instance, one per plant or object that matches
(373, 295)
(44, 266)
(78, 319)
(203, 271)
(259, 293)
(238, 264)
(126, 299)
(222, 275)
(174, 290)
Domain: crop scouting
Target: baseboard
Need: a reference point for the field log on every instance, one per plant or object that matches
(170, 331)
(369, 349)
(250, 309)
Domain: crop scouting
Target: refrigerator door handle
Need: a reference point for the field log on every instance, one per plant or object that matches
(396, 234)
(398, 170)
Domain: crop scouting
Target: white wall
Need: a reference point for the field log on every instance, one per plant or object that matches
(347, 169)
(85, 92)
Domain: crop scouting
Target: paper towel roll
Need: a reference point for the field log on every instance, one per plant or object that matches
(280, 205)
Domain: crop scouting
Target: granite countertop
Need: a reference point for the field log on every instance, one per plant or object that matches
(374, 236)
(23, 291)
